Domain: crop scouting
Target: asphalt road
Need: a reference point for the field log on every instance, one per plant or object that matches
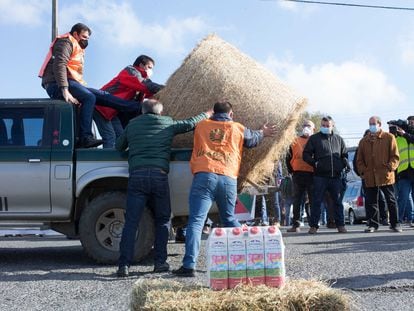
(52, 273)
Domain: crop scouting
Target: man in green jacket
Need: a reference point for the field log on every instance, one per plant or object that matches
(149, 137)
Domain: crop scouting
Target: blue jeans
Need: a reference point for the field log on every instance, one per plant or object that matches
(109, 130)
(84, 96)
(146, 187)
(205, 189)
(104, 98)
(288, 205)
(277, 207)
(405, 187)
(333, 186)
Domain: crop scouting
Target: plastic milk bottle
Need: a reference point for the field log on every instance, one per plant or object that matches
(237, 256)
(275, 273)
(217, 259)
(255, 256)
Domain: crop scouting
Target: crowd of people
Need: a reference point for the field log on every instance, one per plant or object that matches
(317, 163)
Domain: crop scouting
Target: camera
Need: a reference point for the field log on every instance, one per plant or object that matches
(401, 124)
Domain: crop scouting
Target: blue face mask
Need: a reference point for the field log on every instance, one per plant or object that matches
(325, 130)
(373, 128)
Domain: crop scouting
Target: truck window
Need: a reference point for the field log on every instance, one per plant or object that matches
(22, 127)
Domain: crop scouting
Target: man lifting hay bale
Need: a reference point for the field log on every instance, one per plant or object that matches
(215, 70)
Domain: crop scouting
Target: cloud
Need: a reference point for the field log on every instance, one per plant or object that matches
(346, 88)
(28, 12)
(288, 5)
(406, 45)
(120, 25)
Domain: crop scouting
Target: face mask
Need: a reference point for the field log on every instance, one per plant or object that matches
(325, 130)
(306, 131)
(373, 128)
(83, 43)
(149, 73)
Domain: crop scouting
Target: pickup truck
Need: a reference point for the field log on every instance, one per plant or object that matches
(47, 182)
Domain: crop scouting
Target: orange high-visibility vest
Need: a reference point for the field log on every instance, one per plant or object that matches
(217, 148)
(297, 162)
(75, 63)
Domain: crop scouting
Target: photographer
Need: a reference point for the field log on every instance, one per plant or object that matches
(405, 171)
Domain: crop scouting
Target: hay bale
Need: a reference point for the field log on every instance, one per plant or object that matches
(216, 70)
(295, 295)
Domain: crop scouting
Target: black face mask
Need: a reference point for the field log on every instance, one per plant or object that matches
(83, 43)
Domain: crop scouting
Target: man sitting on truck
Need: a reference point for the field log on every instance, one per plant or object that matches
(62, 78)
(133, 81)
(215, 163)
(149, 137)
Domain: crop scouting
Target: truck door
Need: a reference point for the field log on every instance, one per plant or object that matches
(25, 147)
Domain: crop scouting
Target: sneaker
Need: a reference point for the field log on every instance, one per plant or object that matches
(313, 230)
(370, 230)
(122, 272)
(163, 267)
(206, 229)
(384, 222)
(411, 224)
(184, 272)
(341, 229)
(331, 225)
(293, 229)
(397, 228)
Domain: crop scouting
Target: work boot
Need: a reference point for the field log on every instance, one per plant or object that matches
(122, 272)
(90, 142)
(184, 272)
(293, 229)
(163, 267)
(341, 229)
(313, 230)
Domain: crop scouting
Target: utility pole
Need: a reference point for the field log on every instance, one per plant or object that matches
(54, 19)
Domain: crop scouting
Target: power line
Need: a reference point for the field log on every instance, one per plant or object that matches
(354, 5)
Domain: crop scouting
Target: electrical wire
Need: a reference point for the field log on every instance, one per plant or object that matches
(352, 5)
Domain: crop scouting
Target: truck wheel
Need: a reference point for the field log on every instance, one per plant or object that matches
(101, 224)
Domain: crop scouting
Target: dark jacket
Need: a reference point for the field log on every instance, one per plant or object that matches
(149, 138)
(327, 154)
(56, 70)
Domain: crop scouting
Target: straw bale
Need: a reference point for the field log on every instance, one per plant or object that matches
(216, 70)
(295, 295)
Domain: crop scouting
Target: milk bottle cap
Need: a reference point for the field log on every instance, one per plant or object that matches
(219, 232)
(272, 229)
(254, 230)
(236, 231)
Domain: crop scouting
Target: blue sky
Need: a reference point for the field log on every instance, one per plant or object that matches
(349, 62)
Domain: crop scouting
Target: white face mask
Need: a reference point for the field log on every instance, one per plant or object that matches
(149, 73)
(306, 131)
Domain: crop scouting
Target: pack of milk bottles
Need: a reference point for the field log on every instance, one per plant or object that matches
(248, 255)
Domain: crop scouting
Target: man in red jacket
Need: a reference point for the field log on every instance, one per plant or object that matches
(133, 82)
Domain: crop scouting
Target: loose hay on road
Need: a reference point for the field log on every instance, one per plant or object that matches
(216, 70)
(296, 295)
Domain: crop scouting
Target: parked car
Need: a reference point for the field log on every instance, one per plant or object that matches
(354, 203)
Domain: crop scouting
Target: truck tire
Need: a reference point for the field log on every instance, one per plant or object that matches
(101, 224)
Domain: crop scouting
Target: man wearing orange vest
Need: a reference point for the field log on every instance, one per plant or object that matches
(302, 173)
(215, 163)
(62, 78)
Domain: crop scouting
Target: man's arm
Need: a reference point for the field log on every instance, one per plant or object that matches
(360, 159)
(344, 155)
(121, 143)
(394, 155)
(288, 159)
(61, 53)
(308, 153)
(184, 126)
(254, 137)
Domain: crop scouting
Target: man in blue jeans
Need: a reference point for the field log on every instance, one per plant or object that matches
(215, 163)
(326, 153)
(149, 137)
(62, 78)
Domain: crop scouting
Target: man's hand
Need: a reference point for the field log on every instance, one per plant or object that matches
(68, 97)
(209, 113)
(400, 131)
(268, 130)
